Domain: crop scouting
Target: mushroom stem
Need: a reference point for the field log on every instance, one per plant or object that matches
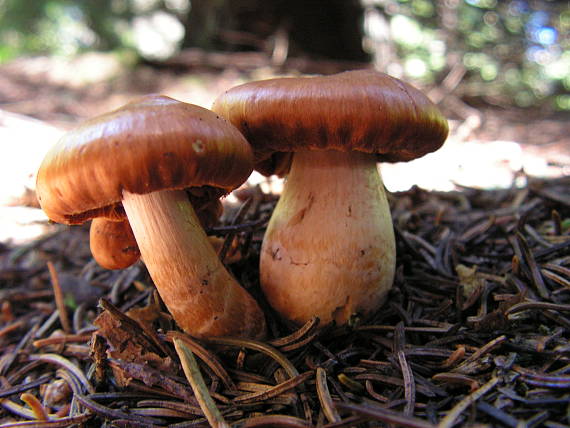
(329, 248)
(202, 296)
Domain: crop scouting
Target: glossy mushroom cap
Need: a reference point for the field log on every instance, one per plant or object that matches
(362, 110)
(153, 143)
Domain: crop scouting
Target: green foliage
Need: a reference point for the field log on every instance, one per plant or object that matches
(40, 27)
(515, 51)
(63, 27)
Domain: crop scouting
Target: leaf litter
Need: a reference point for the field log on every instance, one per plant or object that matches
(474, 331)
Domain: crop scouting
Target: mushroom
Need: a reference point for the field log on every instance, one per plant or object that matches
(329, 247)
(136, 161)
(114, 246)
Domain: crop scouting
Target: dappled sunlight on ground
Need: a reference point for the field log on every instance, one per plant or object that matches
(478, 164)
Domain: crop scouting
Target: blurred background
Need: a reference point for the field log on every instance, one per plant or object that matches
(500, 71)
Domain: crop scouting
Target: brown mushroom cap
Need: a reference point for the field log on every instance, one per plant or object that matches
(153, 143)
(362, 110)
(113, 244)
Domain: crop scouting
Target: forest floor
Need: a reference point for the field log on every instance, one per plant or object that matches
(475, 329)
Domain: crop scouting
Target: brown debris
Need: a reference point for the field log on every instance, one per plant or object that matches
(475, 331)
(128, 339)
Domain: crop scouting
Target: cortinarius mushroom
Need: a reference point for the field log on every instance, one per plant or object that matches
(139, 157)
(114, 246)
(329, 247)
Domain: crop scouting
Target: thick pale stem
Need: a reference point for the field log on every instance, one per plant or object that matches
(202, 296)
(329, 248)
